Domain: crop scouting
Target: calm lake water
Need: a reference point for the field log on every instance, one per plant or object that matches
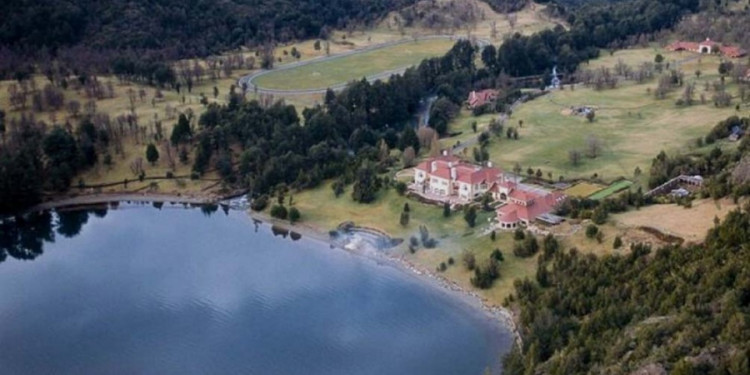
(178, 291)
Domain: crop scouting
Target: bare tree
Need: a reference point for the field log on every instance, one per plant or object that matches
(574, 156)
(74, 108)
(593, 146)
(408, 157)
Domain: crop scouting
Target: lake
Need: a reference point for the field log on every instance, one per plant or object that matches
(140, 290)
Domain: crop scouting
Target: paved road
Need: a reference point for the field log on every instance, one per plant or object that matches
(251, 87)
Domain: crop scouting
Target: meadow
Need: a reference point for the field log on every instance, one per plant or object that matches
(343, 69)
(630, 124)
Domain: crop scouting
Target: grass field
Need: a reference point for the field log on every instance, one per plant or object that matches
(630, 123)
(691, 224)
(612, 189)
(322, 211)
(327, 73)
(583, 189)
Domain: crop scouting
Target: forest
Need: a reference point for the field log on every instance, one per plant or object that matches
(165, 29)
(685, 310)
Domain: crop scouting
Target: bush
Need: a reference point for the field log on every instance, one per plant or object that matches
(484, 276)
(278, 211)
(446, 209)
(497, 255)
(404, 219)
(493, 235)
(401, 188)
(518, 234)
(442, 267)
(170, 175)
(470, 261)
(294, 215)
(451, 261)
(527, 248)
(260, 203)
(471, 216)
(618, 243)
(591, 231)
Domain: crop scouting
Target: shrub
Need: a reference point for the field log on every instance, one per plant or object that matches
(446, 209)
(618, 243)
(518, 234)
(493, 235)
(260, 203)
(451, 261)
(170, 175)
(485, 275)
(401, 188)
(278, 211)
(527, 248)
(294, 215)
(470, 261)
(591, 231)
(404, 220)
(442, 267)
(497, 255)
(471, 216)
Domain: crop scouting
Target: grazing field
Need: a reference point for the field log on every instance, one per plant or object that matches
(631, 126)
(583, 189)
(612, 189)
(347, 68)
(689, 223)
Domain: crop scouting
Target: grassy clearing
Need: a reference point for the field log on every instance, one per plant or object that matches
(631, 124)
(612, 189)
(344, 69)
(322, 211)
(583, 189)
(691, 224)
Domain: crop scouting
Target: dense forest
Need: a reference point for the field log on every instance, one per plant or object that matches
(681, 309)
(166, 29)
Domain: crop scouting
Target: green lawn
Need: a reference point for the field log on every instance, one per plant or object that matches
(630, 123)
(614, 188)
(344, 69)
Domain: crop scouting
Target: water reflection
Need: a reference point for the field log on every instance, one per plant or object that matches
(23, 237)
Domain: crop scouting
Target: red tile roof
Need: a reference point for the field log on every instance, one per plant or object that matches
(479, 98)
(542, 204)
(732, 51)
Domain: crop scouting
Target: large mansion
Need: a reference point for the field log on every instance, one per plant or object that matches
(448, 176)
(449, 179)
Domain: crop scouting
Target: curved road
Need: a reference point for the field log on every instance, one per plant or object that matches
(251, 87)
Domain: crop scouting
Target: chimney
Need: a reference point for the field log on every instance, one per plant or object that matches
(433, 166)
(453, 174)
(489, 164)
(445, 152)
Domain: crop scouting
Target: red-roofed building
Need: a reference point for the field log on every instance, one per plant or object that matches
(480, 98)
(708, 46)
(524, 205)
(447, 176)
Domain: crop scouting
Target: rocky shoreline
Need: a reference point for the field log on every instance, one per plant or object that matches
(498, 313)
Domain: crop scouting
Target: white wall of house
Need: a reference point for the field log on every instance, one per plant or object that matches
(465, 191)
(420, 177)
(439, 186)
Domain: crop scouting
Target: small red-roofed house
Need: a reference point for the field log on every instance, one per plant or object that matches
(480, 98)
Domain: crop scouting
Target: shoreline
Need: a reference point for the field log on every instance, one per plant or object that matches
(497, 314)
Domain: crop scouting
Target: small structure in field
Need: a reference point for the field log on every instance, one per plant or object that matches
(708, 47)
(480, 98)
(689, 183)
(736, 134)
